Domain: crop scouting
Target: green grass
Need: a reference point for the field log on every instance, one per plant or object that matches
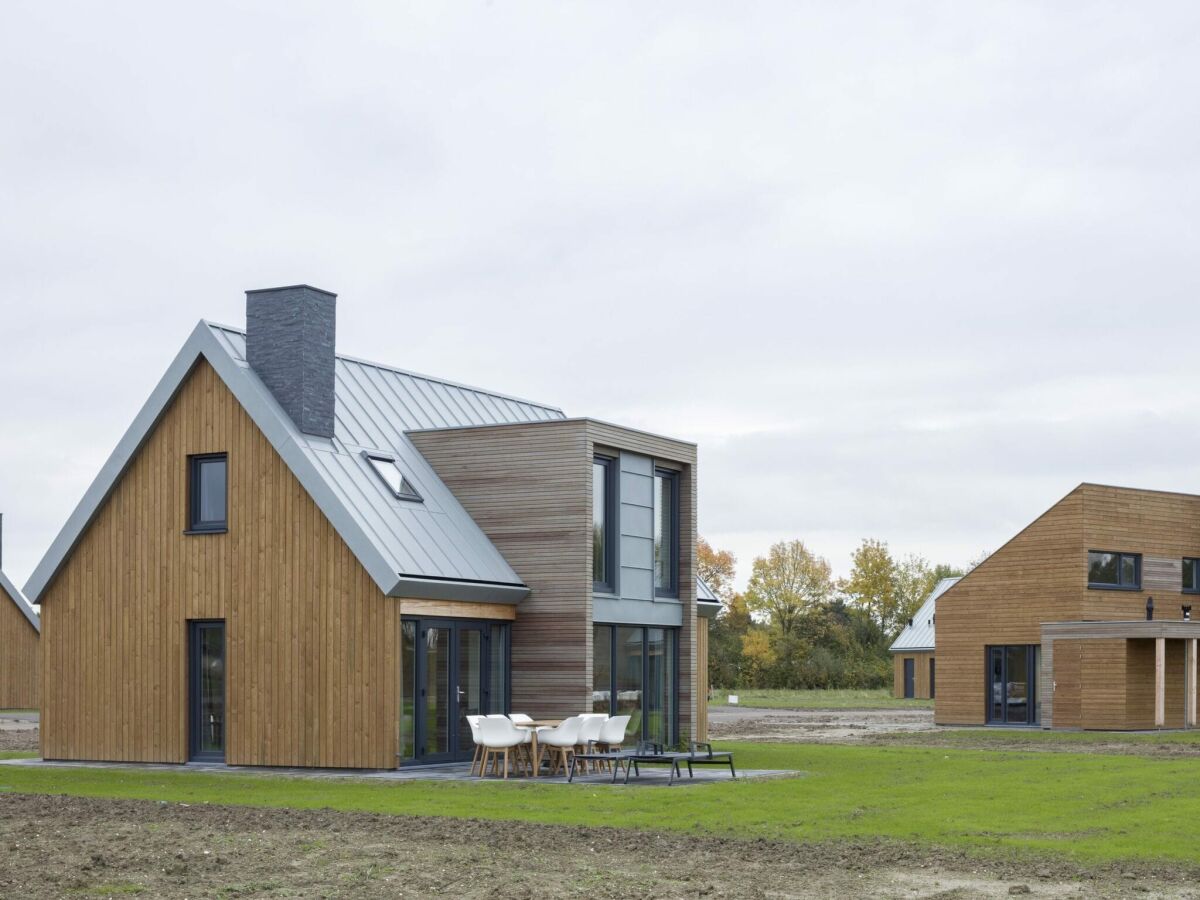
(1089, 808)
(982, 738)
(17, 754)
(871, 698)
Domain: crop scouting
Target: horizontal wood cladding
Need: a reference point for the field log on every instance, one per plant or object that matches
(1037, 576)
(1041, 576)
(528, 487)
(921, 663)
(1162, 527)
(312, 644)
(457, 609)
(19, 651)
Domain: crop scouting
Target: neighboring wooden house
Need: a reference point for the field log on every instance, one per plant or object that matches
(295, 558)
(915, 674)
(1084, 620)
(19, 643)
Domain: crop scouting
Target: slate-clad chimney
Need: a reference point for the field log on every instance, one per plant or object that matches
(290, 345)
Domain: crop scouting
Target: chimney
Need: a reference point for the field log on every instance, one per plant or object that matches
(290, 346)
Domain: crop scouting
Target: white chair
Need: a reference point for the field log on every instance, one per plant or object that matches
(560, 742)
(520, 719)
(589, 732)
(473, 721)
(612, 733)
(499, 736)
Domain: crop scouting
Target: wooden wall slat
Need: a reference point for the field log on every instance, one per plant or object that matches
(20, 649)
(301, 690)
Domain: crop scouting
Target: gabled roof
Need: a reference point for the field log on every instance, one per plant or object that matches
(704, 593)
(919, 635)
(22, 604)
(431, 549)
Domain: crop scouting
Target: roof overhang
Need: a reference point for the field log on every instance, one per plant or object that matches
(1128, 630)
(707, 609)
(911, 649)
(419, 588)
(22, 604)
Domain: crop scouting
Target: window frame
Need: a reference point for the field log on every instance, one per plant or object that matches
(411, 495)
(1195, 589)
(671, 635)
(608, 585)
(1121, 557)
(670, 476)
(195, 525)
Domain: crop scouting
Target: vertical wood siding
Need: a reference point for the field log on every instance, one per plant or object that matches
(312, 645)
(19, 650)
(920, 674)
(702, 686)
(1041, 576)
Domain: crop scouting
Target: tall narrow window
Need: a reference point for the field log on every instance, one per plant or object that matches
(1191, 575)
(666, 533)
(207, 493)
(603, 546)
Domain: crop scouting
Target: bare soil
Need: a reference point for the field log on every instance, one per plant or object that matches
(819, 726)
(22, 739)
(71, 847)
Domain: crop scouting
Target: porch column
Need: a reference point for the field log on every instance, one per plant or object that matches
(1160, 682)
(1189, 708)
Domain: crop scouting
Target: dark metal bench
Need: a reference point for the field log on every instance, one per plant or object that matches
(648, 752)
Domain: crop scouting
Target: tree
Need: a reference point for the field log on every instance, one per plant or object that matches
(872, 582)
(941, 570)
(789, 581)
(759, 657)
(717, 569)
(913, 579)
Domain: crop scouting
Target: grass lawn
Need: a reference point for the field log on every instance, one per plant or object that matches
(1090, 808)
(872, 698)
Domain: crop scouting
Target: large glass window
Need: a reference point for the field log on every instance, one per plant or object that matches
(1115, 571)
(641, 670)
(1012, 684)
(603, 545)
(408, 689)
(1191, 575)
(207, 493)
(666, 533)
(602, 670)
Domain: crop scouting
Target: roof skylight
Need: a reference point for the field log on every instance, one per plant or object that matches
(389, 472)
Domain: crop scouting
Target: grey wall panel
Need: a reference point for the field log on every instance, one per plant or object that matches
(637, 490)
(637, 553)
(636, 612)
(637, 527)
(637, 464)
(637, 584)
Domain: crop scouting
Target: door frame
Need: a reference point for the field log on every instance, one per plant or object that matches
(1032, 686)
(195, 713)
(910, 678)
(456, 753)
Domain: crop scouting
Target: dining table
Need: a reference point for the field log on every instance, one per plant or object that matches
(532, 727)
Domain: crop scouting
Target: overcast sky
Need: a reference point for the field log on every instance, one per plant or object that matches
(903, 270)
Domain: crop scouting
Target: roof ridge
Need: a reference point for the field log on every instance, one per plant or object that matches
(399, 371)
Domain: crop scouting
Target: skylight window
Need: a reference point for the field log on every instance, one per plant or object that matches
(387, 470)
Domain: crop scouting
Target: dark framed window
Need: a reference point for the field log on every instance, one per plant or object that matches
(1191, 575)
(604, 520)
(389, 473)
(1114, 571)
(208, 494)
(635, 673)
(1012, 684)
(666, 533)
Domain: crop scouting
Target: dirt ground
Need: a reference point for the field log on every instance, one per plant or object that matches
(52, 847)
(822, 726)
(19, 731)
(914, 727)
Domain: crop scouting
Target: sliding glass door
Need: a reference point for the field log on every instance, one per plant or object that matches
(635, 673)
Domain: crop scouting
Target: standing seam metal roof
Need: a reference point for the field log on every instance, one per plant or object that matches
(919, 635)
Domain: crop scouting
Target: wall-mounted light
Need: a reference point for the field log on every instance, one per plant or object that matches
(1187, 613)
(1149, 609)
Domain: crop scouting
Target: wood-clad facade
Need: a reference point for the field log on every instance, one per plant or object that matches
(923, 674)
(20, 648)
(1084, 659)
(529, 487)
(312, 658)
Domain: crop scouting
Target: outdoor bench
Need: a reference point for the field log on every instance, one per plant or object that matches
(700, 754)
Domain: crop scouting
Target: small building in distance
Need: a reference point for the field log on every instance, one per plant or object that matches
(914, 676)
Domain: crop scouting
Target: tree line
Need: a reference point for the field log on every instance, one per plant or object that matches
(796, 626)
